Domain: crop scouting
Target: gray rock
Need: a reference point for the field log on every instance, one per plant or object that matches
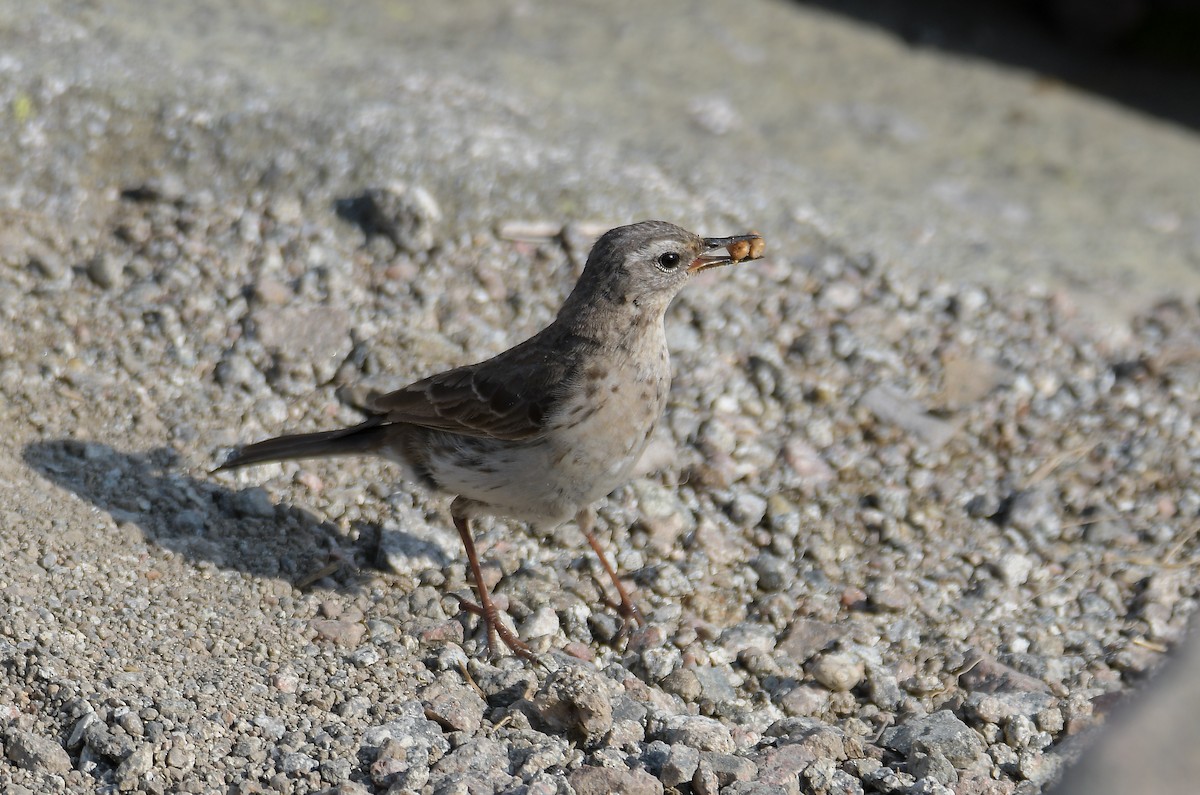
(704, 780)
(663, 515)
(933, 765)
(111, 745)
(105, 270)
(813, 473)
(942, 732)
(728, 768)
(804, 700)
(996, 707)
(590, 780)
(317, 338)
(408, 215)
(456, 707)
(136, 765)
(347, 788)
(841, 296)
(885, 779)
(669, 581)
(481, 763)
(575, 702)
(1004, 758)
(35, 753)
(272, 728)
(929, 786)
(660, 661)
(235, 369)
(421, 738)
(683, 682)
(1021, 733)
(542, 622)
(697, 731)
(1109, 531)
(181, 757)
(503, 686)
(297, 764)
(782, 765)
(1040, 769)
(988, 675)
(542, 784)
(883, 688)
(983, 506)
(396, 769)
(757, 788)
(654, 753)
(783, 517)
(1013, 568)
(625, 707)
(838, 671)
(811, 737)
(749, 635)
(79, 733)
(340, 631)
(1050, 720)
(626, 734)
(48, 263)
(715, 685)
(808, 636)
(892, 406)
(130, 721)
(774, 573)
(824, 777)
(1034, 511)
(680, 765)
(747, 509)
(366, 656)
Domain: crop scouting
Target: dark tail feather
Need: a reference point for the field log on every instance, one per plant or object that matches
(365, 438)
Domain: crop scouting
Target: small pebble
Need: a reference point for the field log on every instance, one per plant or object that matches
(105, 270)
(838, 671)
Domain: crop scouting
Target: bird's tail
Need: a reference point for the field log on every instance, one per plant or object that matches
(367, 437)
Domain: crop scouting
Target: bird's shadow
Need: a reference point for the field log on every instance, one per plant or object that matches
(202, 520)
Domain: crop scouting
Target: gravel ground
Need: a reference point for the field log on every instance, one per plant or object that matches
(897, 534)
(911, 537)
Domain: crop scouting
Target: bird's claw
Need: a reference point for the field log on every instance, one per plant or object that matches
(496, 629)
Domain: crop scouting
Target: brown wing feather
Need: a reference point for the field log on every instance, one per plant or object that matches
(507, 397)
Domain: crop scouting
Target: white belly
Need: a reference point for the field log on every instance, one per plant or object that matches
(591, 445)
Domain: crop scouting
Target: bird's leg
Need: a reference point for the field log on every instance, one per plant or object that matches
(627, 609)
(486, 609)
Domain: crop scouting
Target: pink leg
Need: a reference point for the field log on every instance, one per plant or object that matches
(628, 609)
(486, 609)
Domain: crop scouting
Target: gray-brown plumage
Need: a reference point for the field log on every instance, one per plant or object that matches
(546, 428)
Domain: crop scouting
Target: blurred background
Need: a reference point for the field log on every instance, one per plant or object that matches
(1019, 142)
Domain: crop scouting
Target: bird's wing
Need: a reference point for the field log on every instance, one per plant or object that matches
(507, 397)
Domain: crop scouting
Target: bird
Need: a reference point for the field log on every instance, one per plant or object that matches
(541, 431)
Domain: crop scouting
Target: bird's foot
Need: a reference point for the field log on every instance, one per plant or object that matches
(496, 628)
(631, 616)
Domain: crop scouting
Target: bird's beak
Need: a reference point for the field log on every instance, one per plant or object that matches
(737, 249)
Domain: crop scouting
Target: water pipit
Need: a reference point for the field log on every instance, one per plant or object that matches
(540, 432)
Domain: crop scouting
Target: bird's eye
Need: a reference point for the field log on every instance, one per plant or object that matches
(668, 261)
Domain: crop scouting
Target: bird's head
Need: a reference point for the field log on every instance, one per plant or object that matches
(644, 265)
